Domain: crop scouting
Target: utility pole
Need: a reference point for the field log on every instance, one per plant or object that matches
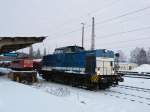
(93, 34)
(82, 34)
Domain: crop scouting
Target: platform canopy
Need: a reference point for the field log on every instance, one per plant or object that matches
(9, 44)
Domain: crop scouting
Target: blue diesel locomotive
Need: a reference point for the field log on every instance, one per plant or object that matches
(75, 66)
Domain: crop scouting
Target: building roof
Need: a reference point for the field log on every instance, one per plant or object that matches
(9, 44)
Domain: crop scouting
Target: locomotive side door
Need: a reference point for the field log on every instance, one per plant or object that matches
(90, 64)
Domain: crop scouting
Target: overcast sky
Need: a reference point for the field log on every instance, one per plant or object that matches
(61, 20)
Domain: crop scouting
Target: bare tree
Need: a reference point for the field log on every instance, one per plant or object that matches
(142, 58)
(148, 56)
(138, 55)
(38, 53)
(44, 52)
(31, 52)
(134, 55)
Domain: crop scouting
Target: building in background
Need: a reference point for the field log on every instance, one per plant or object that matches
(127, 66)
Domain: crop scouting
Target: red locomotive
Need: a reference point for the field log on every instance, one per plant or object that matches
(23, 71)
(22, 64)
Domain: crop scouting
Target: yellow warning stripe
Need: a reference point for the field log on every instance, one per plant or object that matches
(95, 78)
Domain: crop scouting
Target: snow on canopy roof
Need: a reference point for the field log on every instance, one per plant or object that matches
(19, 37)
(142, 68)
(8, 44)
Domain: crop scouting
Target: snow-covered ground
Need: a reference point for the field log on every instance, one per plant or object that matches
(109, 101)
(143, 83)
(15, 97)
(48, 96)
(52, 97)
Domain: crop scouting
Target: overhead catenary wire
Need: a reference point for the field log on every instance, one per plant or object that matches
(114, 45)
(116, 18)
(126, 41)
(125, 47)
(110, 19)
(92, 12)
(124, 15)
(123, 32)
(107, 6)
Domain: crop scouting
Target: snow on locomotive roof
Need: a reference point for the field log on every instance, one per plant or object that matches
(68, 49)
(72, 49)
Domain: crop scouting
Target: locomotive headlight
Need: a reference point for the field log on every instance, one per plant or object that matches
(98, 71)
(113, 72)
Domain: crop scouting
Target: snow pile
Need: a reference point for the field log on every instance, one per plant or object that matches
(142, 68)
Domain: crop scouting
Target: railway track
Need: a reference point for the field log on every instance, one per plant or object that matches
(143, 75)
(126, 94)
(137, 76)
(129, 97)
(134, 88)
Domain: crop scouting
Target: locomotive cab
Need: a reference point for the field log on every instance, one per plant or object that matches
(105, 63)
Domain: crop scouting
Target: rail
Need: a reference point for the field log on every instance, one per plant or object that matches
(144, 75)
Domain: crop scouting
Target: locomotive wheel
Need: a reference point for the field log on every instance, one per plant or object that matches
(33, 79)
(14, 78)
(45, 77)
(92, 86)
(17, 78)
(104, 86)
